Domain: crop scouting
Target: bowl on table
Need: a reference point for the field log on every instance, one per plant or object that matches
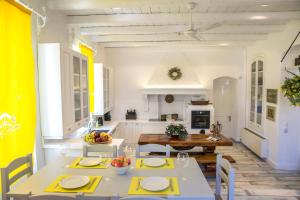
(121, 165)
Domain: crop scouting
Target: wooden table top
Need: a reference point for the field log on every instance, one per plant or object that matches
(191, 140)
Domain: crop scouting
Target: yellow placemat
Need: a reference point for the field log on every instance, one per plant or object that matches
(103, 165)
(89, 188)
(136, 189)
(169, 164)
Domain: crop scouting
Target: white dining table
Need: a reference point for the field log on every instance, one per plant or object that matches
(192, 183)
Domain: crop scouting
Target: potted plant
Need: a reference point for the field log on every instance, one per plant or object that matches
(291, 89)
(177, 131)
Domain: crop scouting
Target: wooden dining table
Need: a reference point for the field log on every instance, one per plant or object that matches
(191, 181)
(191, 140)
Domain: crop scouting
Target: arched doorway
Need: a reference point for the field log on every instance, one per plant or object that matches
(225, 104)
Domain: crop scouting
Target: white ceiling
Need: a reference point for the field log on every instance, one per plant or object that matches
(122, 23)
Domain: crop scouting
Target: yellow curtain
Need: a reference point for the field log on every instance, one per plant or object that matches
(17, 90)
(90, 55)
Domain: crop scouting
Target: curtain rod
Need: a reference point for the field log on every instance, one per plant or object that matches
(43, 17)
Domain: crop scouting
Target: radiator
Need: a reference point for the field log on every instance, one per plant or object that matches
(255, 142)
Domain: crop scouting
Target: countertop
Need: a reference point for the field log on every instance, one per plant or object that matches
(75, 141)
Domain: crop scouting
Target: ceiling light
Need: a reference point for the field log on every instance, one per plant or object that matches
(223, 44)
(258, 17)
(117, 8)
(264, 5)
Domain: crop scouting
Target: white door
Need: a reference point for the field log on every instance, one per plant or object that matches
(224, 99)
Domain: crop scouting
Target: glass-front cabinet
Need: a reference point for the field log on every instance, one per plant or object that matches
(80, 88)
(63, 90)
(256, 95)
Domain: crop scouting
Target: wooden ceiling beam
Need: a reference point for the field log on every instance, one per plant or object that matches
(165, 18)
(176, 37)
(163, 29)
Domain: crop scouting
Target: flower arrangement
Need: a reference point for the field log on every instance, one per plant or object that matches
(176, 130)
(291, 89)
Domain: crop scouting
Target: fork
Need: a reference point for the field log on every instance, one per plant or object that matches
(138, 184)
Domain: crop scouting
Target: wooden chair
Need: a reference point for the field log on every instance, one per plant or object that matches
(8, 180)
(224, 172)
(99, 148)
(54, 197)
(153, 148)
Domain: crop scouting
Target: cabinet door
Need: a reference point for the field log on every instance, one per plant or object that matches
(77, 88)
(85, 94)
(67, 95)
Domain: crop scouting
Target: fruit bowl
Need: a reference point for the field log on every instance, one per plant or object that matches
(97, 137)
(121, 165)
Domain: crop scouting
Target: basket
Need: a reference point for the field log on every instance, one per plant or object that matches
(199, 102)
(105, 142)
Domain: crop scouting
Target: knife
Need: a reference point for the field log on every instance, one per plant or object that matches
(141, 164)
(171, 184)
(92, 183)
(167, 162)
(138, 184)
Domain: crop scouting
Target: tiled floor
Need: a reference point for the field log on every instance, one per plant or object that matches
(256, 179)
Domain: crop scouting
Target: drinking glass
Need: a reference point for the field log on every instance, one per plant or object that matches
(183, 162)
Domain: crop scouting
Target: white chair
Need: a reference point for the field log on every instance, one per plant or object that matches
(97, 149)
(7, 179)
(55, 197)
(152, 148)
(224, 172)
(142, 198)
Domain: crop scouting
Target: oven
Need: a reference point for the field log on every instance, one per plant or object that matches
(200, 119)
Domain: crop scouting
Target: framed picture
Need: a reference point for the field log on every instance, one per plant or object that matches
(271, 113)
(272, 96)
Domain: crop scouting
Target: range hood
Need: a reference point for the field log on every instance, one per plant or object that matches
(174, 91)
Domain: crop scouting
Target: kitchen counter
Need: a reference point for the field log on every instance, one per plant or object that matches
(75, 141)
(145, 121)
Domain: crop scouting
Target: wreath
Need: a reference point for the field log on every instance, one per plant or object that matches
(175, 73)
(291, 89)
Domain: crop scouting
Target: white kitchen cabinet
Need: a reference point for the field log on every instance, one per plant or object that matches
(63, 89)
(103, 89)
(256, 95)
(131, 130)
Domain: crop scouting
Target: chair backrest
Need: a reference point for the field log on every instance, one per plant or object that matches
(153, 148)
(142, 198)
(99, 148)
(8, 180)
(55, 197)
(224, 172)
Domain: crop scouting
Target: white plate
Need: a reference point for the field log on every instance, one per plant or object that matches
(154, 162)
(86, 162)
(73, 182)
(155, 184)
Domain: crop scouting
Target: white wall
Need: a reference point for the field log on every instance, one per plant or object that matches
(135, 68)
(56, 29)
(282, 153)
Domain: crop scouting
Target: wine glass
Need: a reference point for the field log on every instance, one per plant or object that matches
(183, 162)
(183, 159)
